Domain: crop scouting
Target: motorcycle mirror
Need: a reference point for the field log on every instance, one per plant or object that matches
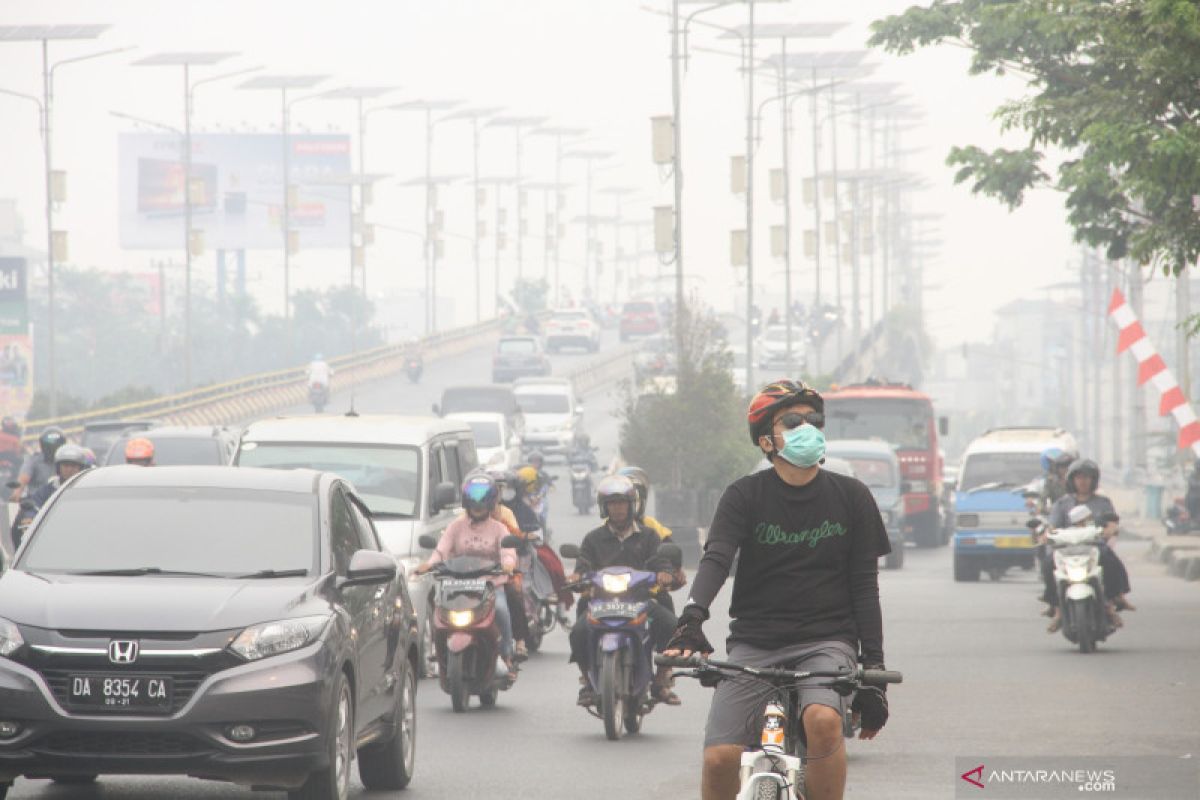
(510, 541)
(672, 553)
(427, 541)
(12, 484)
(1033, 524)
(568, 550)
(435, 410)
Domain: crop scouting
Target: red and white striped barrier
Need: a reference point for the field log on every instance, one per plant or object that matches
(1152, 369)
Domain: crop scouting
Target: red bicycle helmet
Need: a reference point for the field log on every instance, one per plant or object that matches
(776, 395)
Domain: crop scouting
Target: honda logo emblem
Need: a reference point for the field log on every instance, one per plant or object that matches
(122, 652)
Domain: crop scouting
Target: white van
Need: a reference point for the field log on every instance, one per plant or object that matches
(408, 470)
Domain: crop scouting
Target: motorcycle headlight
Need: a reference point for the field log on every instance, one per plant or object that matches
(282, 636)
(10, 638)
(1076, 573)
(461, 619)
(616, 584)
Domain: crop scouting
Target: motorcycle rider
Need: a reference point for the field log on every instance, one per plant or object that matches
(641, 483)
(582, 451)
(1083, 479)
(69, 461)
(38, 468)
(806, 592)
(10, 446)
(139, 452)
(1116, 577)
(318, 372)
(621, 542)
(516, 499)
(479, 534)
(1055, 464)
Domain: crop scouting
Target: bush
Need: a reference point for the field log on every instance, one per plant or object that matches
(693, 437)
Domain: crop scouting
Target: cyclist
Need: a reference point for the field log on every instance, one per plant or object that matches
(805, 596)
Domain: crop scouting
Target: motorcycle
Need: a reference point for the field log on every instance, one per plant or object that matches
(583, 493)
(1177, 520)
(466, 634)
(537, 593)
(318, 395)
(620, 668)
(413, 367)
(1080, 582)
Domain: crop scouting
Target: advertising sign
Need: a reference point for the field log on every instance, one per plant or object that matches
(14, 309)
(236, 190)
(16, 374)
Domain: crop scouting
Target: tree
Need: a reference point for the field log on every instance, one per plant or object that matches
(694, 436)
(1112, 84)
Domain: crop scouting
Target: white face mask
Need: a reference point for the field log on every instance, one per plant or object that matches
(508, 495)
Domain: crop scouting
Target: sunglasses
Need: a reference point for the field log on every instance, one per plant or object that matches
(794, 419)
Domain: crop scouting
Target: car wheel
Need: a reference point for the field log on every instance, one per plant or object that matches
(389, 765)
(4, 787)
(332, 782)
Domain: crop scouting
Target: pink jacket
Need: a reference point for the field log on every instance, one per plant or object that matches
(482, 539)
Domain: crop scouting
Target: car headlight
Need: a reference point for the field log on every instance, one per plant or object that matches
(616, 584)
(10, 638)
(461, 619)
(282, 636)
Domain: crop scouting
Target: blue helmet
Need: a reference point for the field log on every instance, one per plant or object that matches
(479, 491)
(1049, 456)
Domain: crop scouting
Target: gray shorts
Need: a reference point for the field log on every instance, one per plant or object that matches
(736, 713)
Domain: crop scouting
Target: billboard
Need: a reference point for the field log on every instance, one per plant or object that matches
(237, 190)
(14, 307)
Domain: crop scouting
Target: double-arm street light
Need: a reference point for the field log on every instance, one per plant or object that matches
(284, 84)
(46, 34)
(428, 107)
(521, 125)
(191, 240)
(559, 133)
(590, 157)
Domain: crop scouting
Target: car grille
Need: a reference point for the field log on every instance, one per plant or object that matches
(185, 682)
(120, 743)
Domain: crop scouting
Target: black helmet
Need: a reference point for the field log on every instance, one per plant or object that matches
(538, 457)
(71, 454)
(10, 426)
(641, 484)
(479, 491)
(613, 487)
(50, 440)
(1083, 466)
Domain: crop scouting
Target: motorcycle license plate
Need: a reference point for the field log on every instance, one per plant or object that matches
(614, 608)
(462, 585)
(1013, 541)
(121, 692)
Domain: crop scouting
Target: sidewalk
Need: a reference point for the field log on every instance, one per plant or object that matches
(1181, 554)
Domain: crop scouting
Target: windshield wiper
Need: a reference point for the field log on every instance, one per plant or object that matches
(272, 573)
(133, 571)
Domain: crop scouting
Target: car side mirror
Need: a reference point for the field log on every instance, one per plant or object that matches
(369, 567)
(435, 410)
(671, 553)
(943, 426)
(568, 550)
(427, 541)
(444, 496)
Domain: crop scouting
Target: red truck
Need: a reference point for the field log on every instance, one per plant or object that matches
(903, 417)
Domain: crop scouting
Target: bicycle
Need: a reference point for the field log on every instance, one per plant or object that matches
(775, 769)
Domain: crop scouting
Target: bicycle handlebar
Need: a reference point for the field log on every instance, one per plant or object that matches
(869, 677)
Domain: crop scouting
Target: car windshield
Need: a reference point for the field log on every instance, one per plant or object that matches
(476, 398)
(999, 470)
(900, 423)
(876, 473)
(387, 478)
(780, 335)
(638, 308)
(487, 434)
(517, 346)
(173, 451)
(569, 316)
(204, 530)
(543, 403)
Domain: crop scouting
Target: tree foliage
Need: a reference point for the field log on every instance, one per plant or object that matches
(1112, 84)
(695, 436)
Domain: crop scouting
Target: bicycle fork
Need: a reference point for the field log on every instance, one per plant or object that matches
(770, 773)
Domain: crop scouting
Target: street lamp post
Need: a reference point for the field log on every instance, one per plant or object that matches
(521, 127)
(618, 193)
(186, 60)
(284, 83)
(559, 133)
(498, 236)
(589, 157)
(474, 115)
(46, 34)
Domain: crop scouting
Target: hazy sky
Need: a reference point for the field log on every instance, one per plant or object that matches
(599, 64)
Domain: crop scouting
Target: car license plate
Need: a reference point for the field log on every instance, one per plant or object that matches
(614, 608)
(1013, 541)
(121, 692)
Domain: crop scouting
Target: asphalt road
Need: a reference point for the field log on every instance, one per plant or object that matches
(982, 678)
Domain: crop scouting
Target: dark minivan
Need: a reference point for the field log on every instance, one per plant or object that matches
(225, 623)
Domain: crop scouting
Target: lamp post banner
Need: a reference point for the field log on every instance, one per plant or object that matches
(14, 305)
(237, 197)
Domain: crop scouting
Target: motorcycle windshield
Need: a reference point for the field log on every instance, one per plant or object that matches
(622, 583)
(468, 566)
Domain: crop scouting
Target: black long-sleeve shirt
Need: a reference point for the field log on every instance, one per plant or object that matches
(807, 562)
(639, 550)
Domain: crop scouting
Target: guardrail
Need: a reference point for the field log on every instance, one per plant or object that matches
(230, 401)
(600, 372)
